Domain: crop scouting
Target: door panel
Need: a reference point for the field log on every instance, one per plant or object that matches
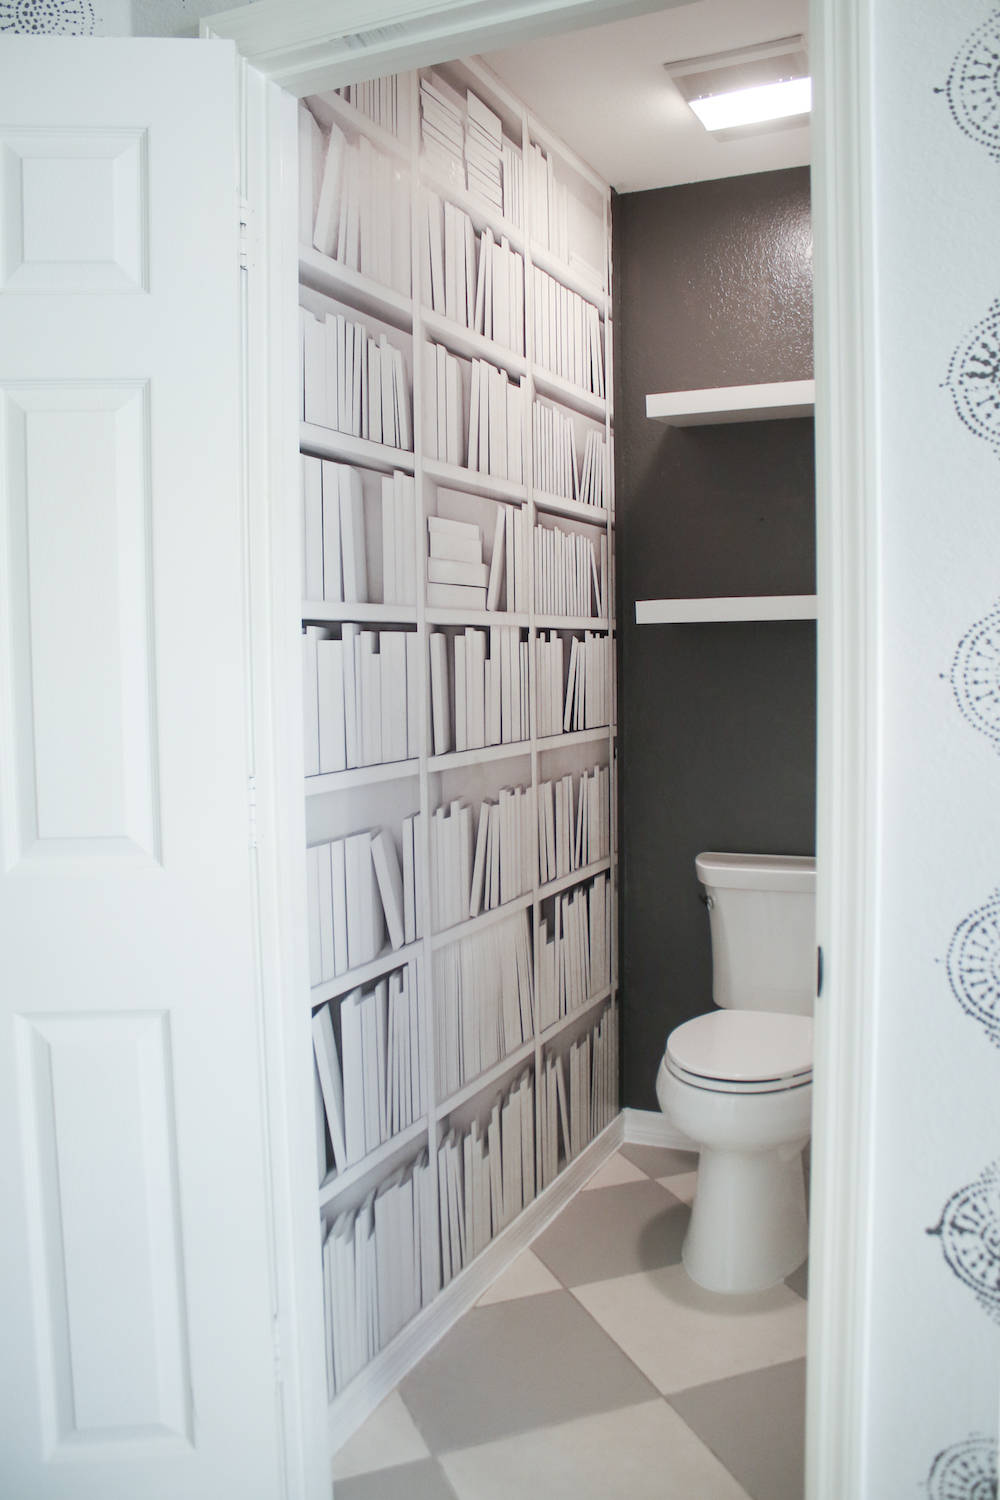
(135, 1276)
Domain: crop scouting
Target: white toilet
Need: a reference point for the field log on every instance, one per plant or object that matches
(738, 1081)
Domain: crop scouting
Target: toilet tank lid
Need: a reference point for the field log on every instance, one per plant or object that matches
(761, 872)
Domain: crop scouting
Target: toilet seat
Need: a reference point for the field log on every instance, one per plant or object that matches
(742, 1051)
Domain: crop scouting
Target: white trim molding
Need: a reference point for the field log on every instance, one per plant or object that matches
(308, 46)
(848, 750)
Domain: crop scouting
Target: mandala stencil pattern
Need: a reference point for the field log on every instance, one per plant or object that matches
(47, 17)
(974, 378)
(973, 87)
(965, 1471)
(974, 966)
(975, 676)
(969, 1231)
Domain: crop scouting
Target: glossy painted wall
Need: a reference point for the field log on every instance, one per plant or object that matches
(713, 286)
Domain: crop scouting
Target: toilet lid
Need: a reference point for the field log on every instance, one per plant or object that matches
(744, 1047)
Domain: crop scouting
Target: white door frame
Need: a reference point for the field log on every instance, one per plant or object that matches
(291, 43)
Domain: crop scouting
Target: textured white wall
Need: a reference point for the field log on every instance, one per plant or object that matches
(935, 1343)
(108, 17)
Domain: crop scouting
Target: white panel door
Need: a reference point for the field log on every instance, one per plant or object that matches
(135, 1301)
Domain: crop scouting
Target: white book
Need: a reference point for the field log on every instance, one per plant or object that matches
(392, 650)
(445, 526)
(315, 396)
(352, 536)
(475, 401)
(461, 718)
(435, 259)
(328, 207)
(475, 692)
(332, 583)
(353, 1076)
(365, 918)
(310, 171)
(409, 886)
(310, 699)
(312, 901)
(414, 692)
(331, 1083)
(496, 574)
(455, 596)
(451, 570)
(338, 883)
(440, 703)
(390, 884)
(369, 675)
(330, 674)
(312, 527)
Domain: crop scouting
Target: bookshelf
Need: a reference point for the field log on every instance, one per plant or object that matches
(482, 640)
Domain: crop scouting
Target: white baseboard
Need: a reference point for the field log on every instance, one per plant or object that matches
(387, 1369)
(648, 1127)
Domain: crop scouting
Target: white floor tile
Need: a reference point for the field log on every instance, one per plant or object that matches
(681, 1336)
(389, 1437)
(682, 1186)
(616, 1169)
(524, 1277)
(643, 1452)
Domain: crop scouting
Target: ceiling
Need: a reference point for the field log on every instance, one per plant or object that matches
(604, 91)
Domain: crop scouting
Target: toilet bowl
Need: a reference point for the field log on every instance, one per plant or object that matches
(738, 1081)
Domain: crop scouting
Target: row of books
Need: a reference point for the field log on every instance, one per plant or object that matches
(355, 383)
(567, 334)
(571, 1116)
(463, 141)
(548, 202)
(571, 572)
(378, 98)
(488, 687)
(363, 213)
(553, 455)
(480, 423)
(381, 1264)
(476, 281)
(361, 695)
(574, 950)
(574, 822)
(378, 1091)
(481, 862)
(335, 562)
(585, 701)
(358, 891)
(486, 1176)
(457, 576)
(483, 1001)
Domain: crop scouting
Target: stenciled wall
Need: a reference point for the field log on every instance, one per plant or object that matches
(935, 1231)
(713, 287)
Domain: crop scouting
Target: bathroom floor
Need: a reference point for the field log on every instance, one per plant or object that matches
(593, 1368)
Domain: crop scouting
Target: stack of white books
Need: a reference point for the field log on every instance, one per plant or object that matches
(336, 564)
(457, 577)
(358, 891)
(379, 1090)
(363, 213)
(486, 700)
(378, 98)
(574, 1116)
(361, 697)
(483, 1001)
(567, 330)
(486, 1176)
(381, 1264)
(481, 862)
(574, 950)
(442, 127)
(483, 147)
(571, 572)
(554, 466)
(354, 383)
(574, 822)
(585, 703)
(548, 203)
(477, 284)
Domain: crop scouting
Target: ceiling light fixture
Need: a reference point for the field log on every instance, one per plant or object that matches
(754, 106)
(747, 90)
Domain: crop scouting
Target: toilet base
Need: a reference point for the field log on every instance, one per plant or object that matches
(748, 1227)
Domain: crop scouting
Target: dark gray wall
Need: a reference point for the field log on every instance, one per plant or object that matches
(713, 287)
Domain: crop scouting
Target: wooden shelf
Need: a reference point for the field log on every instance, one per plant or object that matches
(597, 623)
(574, 877)
(709, 611)
(568, 394)
(733, 403)
(461, 340)
(383, 963)
(320, 611)
(473, 482)
(337, 1183)
(572, 277)
(478, 617)
(454, 760)
(345, 781)
(577, 510)
(325, 275)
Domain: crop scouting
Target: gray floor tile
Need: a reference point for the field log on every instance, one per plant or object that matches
(423, 1480)
(657, 1161)
(755, 1424)
(799, 1280)
(638, 1226)
(518, 1365)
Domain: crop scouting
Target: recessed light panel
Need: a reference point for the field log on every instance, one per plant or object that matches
(749, 90)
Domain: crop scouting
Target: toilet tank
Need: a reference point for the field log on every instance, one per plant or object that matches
(762, 912)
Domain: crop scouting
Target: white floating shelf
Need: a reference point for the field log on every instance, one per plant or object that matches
(702, 611)
(733, 403)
